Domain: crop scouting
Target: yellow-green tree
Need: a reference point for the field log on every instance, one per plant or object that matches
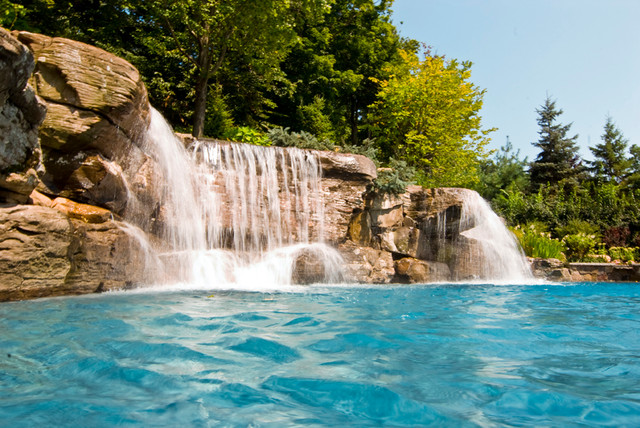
(427, 113)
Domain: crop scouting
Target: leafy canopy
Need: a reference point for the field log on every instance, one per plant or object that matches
(427, 113)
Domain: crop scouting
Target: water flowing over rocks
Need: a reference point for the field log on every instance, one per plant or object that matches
(119, 201)
(435, 235)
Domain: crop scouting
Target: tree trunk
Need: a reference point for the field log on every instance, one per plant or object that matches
(202, 86)
(200, 107)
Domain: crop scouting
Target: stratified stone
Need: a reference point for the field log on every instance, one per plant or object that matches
(34, 251)
(45, 253)
(21, 112)
(346, 166)
(75, 74)
(84, 212)
(417, 271)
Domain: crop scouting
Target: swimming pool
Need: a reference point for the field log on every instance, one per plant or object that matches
(458, 355)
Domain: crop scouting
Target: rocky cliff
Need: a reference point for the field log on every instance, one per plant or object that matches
(72, 119)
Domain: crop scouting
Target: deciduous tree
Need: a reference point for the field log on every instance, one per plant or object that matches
(428, 113)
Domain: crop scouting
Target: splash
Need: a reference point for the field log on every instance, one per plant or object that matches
(236, 215)
(477, 245)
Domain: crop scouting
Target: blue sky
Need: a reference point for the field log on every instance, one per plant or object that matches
(585, 54)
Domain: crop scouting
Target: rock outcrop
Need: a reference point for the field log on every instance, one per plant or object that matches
(50, 245)
(21, 112)
(97, 114)
(43, 253)
(421, 232)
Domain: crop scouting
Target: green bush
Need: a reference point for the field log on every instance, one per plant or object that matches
(282, 137)
(395, 178)
(576, 227)
(537, 242)
(245, 134)
(579, 245)
(624, 254)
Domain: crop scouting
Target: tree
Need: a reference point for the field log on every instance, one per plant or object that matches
(9, 13)
(611, 162)
(558, 163)
(205, 33)
(331, 66)
(427, 114)
(505, 171)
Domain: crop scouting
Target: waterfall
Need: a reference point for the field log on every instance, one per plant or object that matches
(477, 245)
(238, 215)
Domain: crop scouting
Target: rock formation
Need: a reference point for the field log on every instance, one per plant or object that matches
(21, 112)
(66, 188)
(96, 112)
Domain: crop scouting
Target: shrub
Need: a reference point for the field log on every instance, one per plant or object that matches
(245, 134)
(616, 236)
(575, 227)
(624, 254)
(537, 242)
(394, 179)
(578, 245)
(303, 140)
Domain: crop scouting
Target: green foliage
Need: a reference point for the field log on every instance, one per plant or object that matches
(505, 171)
(10, 12)
(395, 178)
(537, 242)
(577, 226)
(611, 162)
(427, 114)
(219, 120)
(579, 245)
(338, 50)
(624, 254)
(303, 140)
(602, 206)
(558, 162)
(245, 134)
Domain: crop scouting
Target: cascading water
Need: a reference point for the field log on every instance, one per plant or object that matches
(478, 245)
(238, 214)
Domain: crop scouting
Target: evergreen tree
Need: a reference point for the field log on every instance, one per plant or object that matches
(505, 171)
(611, 162)
(558, 163)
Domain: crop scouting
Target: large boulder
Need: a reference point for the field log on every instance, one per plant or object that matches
(93, 137)
(345, 180)
(416, 271)
(43, 252)
(21, 112)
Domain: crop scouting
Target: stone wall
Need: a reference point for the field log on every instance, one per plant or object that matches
(557, 271)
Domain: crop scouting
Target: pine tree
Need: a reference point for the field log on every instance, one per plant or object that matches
(611, 162)
(558, 163)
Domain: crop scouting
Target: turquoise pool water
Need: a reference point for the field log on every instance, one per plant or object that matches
(452, 355)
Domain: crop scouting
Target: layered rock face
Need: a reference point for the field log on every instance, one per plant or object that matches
(97, 114)
(416, 237)
(21, 112)
(88, 148)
